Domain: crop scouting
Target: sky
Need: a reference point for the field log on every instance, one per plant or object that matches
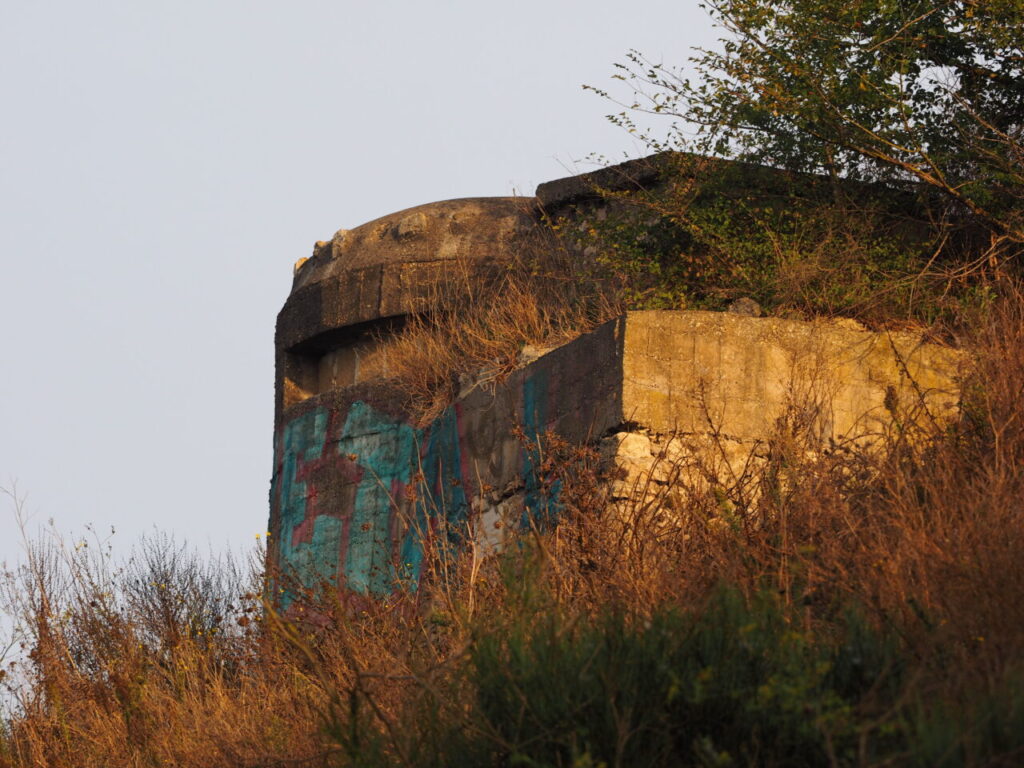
(163, 165)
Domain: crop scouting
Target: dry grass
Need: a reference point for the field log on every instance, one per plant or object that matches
(478, 330)
(929, 526)
(168, 662)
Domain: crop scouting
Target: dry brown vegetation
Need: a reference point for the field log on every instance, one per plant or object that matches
(170, 661)
(479, 329)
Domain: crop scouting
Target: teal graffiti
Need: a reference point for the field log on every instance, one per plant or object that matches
(315, 560)
(384, 448)
(441, 494)
(383, 456)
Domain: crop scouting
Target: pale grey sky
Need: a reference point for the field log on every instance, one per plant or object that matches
(162, 166)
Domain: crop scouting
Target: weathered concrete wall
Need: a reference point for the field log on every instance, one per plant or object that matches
(683, 370)
(357, 489)
(713, 390)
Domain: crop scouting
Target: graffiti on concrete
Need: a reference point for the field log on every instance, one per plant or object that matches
(308, 543)
(335, 489)
(380, 447)
(362, 498)
(442, 494)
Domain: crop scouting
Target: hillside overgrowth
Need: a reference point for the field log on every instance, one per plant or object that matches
(853, 607)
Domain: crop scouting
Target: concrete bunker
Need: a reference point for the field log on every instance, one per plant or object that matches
(358, 487)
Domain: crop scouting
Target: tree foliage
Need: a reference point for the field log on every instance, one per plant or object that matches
(890, 91)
